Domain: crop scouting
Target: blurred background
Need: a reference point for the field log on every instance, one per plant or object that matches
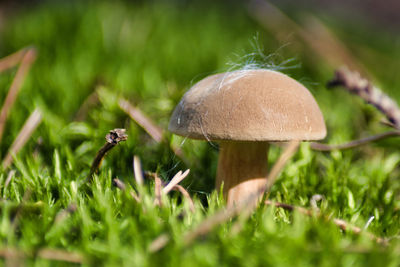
(90, 53)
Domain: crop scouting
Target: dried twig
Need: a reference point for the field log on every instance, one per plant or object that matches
(354, 83)
(26, 131)
(345, 226)
(112, 139)
(226, 214)
(355, 143)
(137, 115)
(19, 78)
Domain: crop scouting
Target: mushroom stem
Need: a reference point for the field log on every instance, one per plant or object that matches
(242, 169)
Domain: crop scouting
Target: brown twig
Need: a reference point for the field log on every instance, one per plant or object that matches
(355, 143)
(354, 83)
(245, 206)
(25, 133)
(345, 226)
(112, 139)
(26, 62)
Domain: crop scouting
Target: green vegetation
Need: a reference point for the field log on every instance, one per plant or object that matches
(150, 54)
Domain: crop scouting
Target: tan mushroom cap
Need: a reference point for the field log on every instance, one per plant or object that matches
(248, 105)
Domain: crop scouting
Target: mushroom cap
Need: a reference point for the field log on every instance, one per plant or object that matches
(248, 105)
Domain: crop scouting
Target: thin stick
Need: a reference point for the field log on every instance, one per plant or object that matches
(27, 60)
(354, 83)
(137, 115)
(355, 143)
(12, 60)
(137, 169)
(186, 195)
(25, 133)
(112, 139)
(175, 180)
(226, 214)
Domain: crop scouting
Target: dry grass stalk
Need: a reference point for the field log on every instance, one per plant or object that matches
(26, 62)
(113, 138)
(225, 215)
(137, 169)
(158, 190)
(356, 84)
(345, 226)
(118, 183)
(10, 175)
(137, 115)
(158, 243)
(175, 180)
(47, 254)
(25, 133)
(172, 185)
(12, 60)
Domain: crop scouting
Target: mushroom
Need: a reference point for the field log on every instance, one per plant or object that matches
(244, 110)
